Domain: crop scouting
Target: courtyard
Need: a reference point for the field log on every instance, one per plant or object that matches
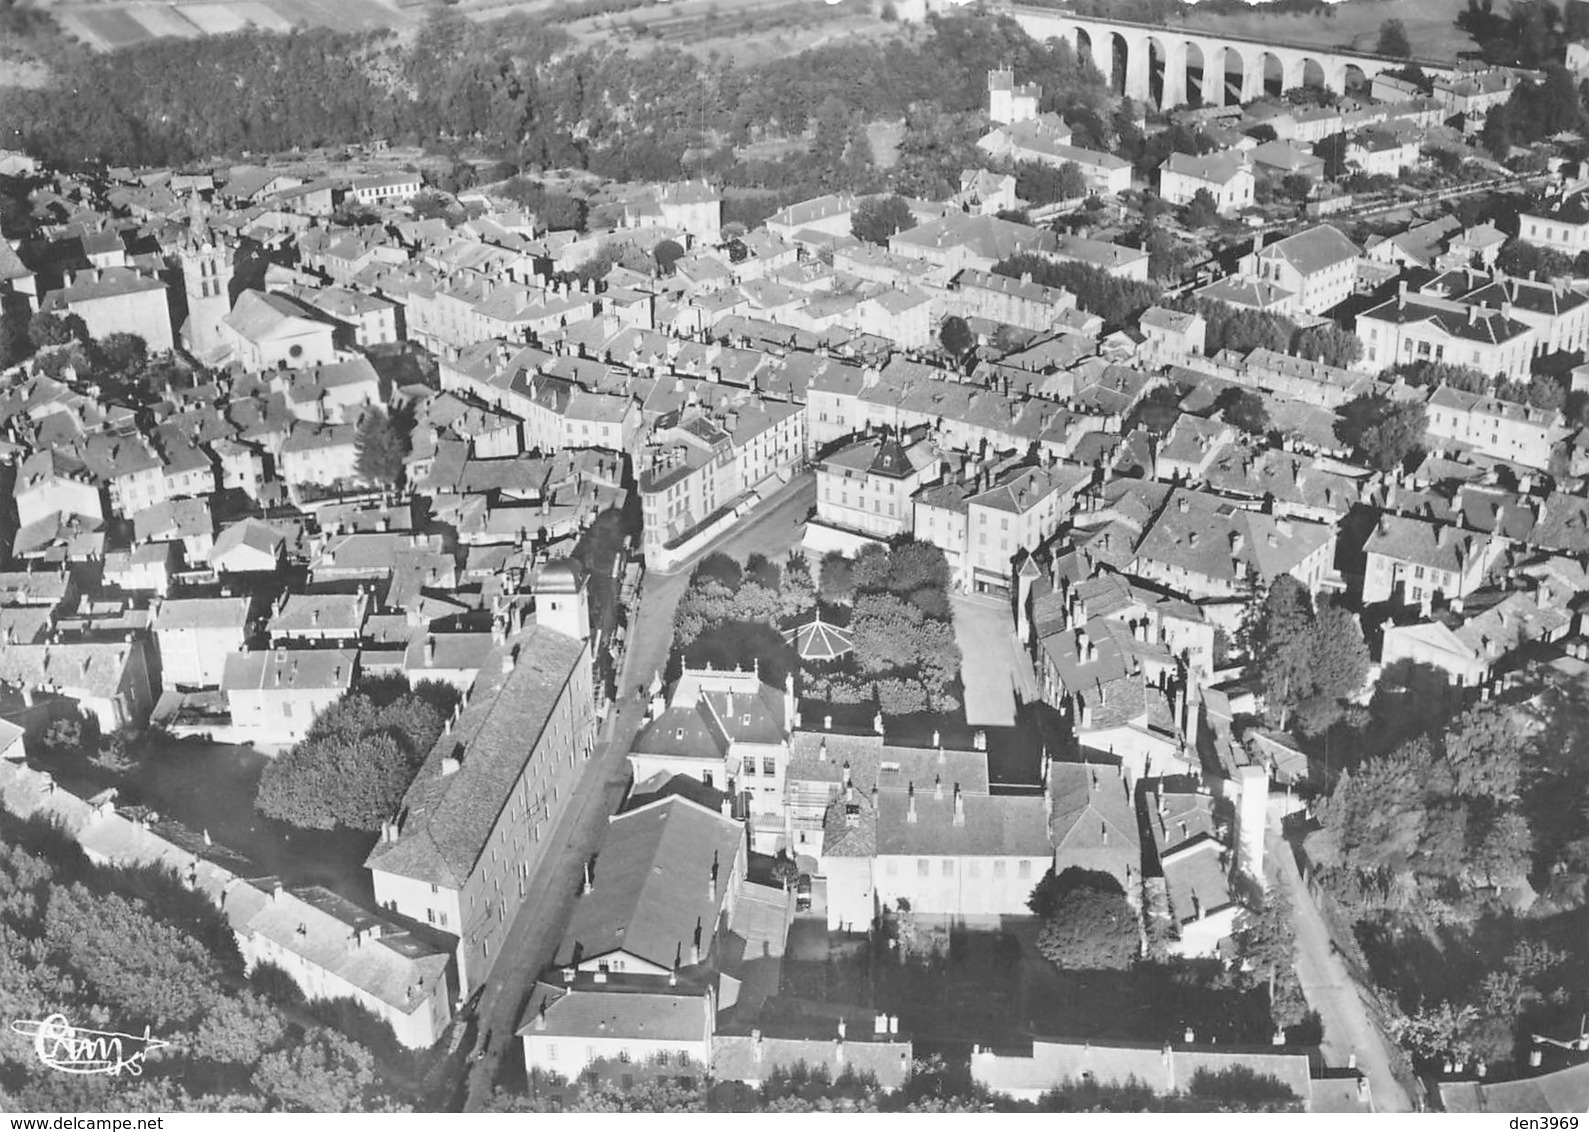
(996, 672)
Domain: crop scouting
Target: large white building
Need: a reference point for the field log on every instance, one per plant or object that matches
(1560, 223)
(1318, 266)
(196, 635)
(867, 486)
(1226, 177)
(935, 847)
(1505, 430)
(982, 524)
(727, 730)
(1422, 328)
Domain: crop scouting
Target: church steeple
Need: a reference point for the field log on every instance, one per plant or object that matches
(206, 260)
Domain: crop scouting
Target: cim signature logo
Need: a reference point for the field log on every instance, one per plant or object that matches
(60, 1045)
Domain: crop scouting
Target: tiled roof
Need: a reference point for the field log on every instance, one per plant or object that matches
(201, 613)
(985, 236)
(752, 1058)
(1566, 1090)
(1092, 808)
(1215, 168)
(258, 315)
(677, 1014)
(324, 613)
(78, 669)
(449, 816)
(335, 935)
(990, 825)
(1056, 297)
(1211, 536)
(173, 519)
(1162, 318)
(823, 756)
(1163, 1069)
(252, 533)
(1458, 320)
(703, 718)
(1460, 400)
(1421, 543)
(102, 283)
(1244, 291)
(286, 669)
(1022, 489)
(653, 885)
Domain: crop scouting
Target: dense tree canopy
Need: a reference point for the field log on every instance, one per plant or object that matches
(1444, 806)
(381, 445)
(358, 758)
(1201, 211)
(1430, 374)
(1329, 344)
(1393, 39)
(1386, 431)
(519, 89)
(1091, 929)
(956, 338)
(51, 328)
(1243, 408)
(837, 578)
(1266, 944)
(1040, 183)
(876, 219)
(1307, 661)
(75, 939)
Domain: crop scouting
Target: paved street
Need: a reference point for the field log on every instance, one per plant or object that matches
(543, 917)
(993, 666)
(1329, 988)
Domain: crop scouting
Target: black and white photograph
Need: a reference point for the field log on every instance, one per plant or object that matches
(794, 556)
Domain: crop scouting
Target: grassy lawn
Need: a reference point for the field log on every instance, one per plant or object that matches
(1431, 26)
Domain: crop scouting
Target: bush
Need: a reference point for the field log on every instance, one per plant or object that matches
(275, 984)
(1090, 930)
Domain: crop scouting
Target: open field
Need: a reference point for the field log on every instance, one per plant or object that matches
(23, 72)
(1354, 25)
(109, 26)
(744, 31)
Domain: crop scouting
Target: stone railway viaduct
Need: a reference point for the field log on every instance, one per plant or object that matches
(1162, 65)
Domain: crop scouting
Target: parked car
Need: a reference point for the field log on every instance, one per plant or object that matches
(803, 893)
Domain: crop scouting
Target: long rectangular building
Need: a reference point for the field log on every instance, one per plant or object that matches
(478, 816)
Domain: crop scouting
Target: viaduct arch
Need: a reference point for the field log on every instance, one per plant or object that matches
(1157, 64)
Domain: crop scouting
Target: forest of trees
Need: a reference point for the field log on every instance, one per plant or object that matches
(515, 89)
(125, 948)
(1419, 846)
